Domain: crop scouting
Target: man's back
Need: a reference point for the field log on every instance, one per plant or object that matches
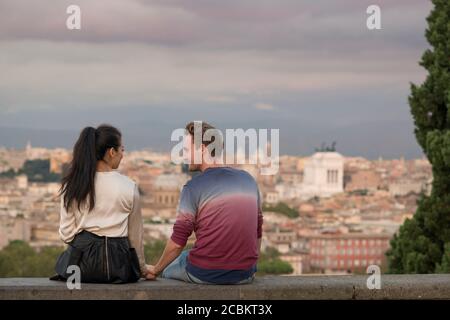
(222, 206)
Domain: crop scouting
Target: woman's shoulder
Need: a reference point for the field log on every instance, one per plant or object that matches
(119, 178)
(126, 180)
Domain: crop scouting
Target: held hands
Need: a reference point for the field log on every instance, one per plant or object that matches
(150, 273)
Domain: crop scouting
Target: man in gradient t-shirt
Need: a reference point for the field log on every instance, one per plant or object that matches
(222, 206)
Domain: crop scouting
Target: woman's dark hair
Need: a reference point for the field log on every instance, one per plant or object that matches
(79, 183)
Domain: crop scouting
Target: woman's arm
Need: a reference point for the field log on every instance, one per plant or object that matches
(136, 230)
(67, 223)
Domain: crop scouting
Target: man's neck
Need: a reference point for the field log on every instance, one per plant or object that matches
(205, 166)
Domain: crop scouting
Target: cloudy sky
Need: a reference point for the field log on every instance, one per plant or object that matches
(310, 68)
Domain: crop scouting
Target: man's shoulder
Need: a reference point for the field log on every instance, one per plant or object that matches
(192, 185)
(232, 175)
(243, 174)
(203, 180)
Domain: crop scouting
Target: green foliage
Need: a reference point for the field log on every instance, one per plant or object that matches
(18, 259)
(281, 208)
(36, 171)
(269, 254)
(269, 262)
(444, 266)
(39, 171)
(153, 251)
(359, 192)
(8, 174)
(422, 243)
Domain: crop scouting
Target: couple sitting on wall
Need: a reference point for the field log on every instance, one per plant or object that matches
(102, 224)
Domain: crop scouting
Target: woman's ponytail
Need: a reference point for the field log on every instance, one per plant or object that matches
(78, 186)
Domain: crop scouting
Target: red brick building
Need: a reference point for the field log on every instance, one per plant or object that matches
(352, 252)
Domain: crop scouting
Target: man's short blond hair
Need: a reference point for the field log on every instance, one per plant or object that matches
(190, 127)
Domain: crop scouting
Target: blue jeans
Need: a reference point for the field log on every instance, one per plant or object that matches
(177, 270)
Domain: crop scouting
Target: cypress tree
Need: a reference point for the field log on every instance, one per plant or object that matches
(422, 244)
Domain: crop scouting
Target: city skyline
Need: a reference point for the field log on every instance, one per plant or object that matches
(28, 144)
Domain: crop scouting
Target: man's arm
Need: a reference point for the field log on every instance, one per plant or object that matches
(182, 229)
(171, 252)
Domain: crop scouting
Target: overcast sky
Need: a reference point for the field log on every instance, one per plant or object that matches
(310, 68)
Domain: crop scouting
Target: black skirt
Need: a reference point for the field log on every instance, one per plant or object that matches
(100, 260)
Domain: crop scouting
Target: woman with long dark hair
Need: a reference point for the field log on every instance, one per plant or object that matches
(101, 218)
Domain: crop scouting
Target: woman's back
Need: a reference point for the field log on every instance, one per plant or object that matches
(115, 196)
(100, 217)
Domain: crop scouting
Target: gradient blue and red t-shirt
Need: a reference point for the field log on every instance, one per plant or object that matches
(222, 206)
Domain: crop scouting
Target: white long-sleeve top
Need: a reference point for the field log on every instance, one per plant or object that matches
(117, 213)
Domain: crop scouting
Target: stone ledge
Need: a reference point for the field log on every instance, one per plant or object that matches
(431, 286)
